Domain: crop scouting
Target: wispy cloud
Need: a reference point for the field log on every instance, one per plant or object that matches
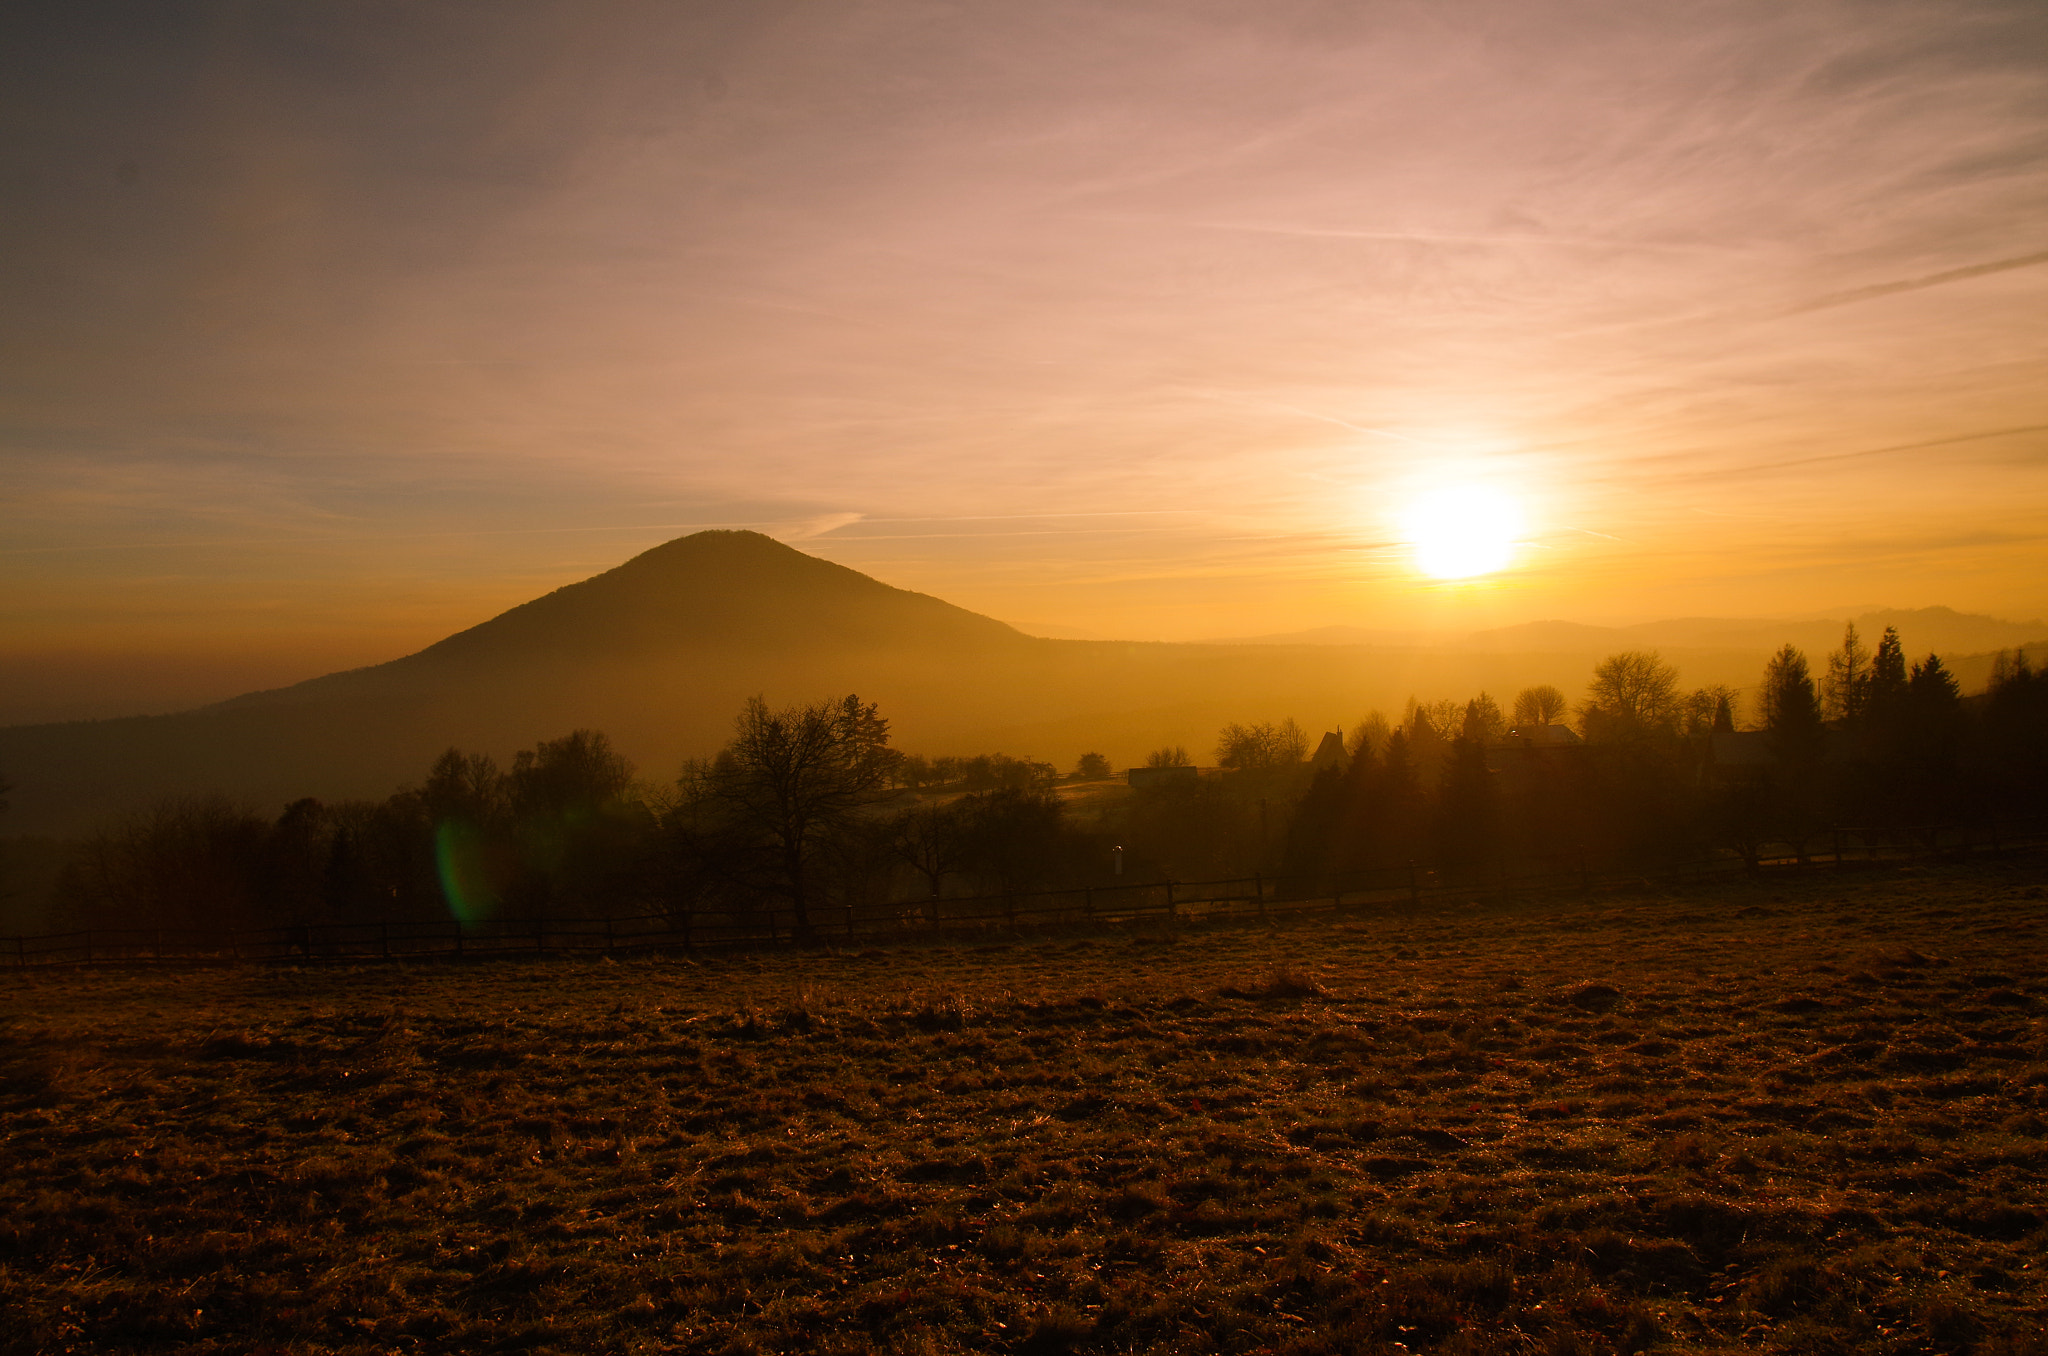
(1945, 276)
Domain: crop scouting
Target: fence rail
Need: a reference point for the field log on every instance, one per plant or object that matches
(1109, 906)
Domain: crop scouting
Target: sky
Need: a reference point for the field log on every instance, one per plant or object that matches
(327, 330)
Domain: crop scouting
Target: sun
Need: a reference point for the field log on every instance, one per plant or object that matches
(1463, 531)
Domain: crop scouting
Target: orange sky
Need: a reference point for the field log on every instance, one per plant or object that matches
(325, 332)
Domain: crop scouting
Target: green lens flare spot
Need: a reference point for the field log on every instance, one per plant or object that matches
(461, 855)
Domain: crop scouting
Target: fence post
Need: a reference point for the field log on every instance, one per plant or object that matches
(1172, 909)
(540, 933)
(1414, 885)
(1838, 848)
(458, 936)
(607, 934)
(1259, 892)
(156, 944)
(88, 946)
(384, 938)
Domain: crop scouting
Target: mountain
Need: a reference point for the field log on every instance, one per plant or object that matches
(661, 653)
(700, 598)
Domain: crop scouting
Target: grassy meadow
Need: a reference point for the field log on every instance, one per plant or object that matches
(1801, 1114)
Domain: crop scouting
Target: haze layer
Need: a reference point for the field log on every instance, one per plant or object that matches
(328, 331)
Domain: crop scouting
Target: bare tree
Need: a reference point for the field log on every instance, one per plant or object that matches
(1173, 755)
(1633, 695)
(1443, 717)
(1711, 709)
(1539, 705)
(1847, 679)
(1092, 767)
(1483, 722)
(1261, 747)
(1369, 734)
(465, 787)
(577, 773)
(794, 782)
(931, 839)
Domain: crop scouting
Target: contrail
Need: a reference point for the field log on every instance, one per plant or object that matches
(1876, 290)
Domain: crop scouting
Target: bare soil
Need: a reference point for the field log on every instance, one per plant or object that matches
(1804, 1115)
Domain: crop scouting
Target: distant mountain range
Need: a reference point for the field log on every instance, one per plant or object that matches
(661, 652)
(1939, 629)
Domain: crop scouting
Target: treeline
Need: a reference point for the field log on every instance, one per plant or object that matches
(807, 809)
(810, 811)
(1651, 773)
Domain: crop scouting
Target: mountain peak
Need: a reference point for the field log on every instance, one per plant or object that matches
(720, 588)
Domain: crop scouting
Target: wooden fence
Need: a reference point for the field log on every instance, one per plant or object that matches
(1154, 903)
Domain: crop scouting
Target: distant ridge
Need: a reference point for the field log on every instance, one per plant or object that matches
(1940, 629)
(662, 651)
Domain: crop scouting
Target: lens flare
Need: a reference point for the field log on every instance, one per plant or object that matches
(462, 857)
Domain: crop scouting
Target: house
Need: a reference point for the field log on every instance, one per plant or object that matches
(1330, 753)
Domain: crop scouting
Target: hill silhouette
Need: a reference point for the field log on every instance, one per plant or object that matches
(702, 596)
(662, 651)
(659, 651)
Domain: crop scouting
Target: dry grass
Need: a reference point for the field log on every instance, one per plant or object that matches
(1802, 1117)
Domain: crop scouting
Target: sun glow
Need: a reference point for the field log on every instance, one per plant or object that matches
(1463, 532)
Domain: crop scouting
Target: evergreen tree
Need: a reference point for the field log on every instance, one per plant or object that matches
(1789, 706)
(1483, 722)
(1886, 686)
(1932, 687)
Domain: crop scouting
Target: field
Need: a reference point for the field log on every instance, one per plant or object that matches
(1804, 1114)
